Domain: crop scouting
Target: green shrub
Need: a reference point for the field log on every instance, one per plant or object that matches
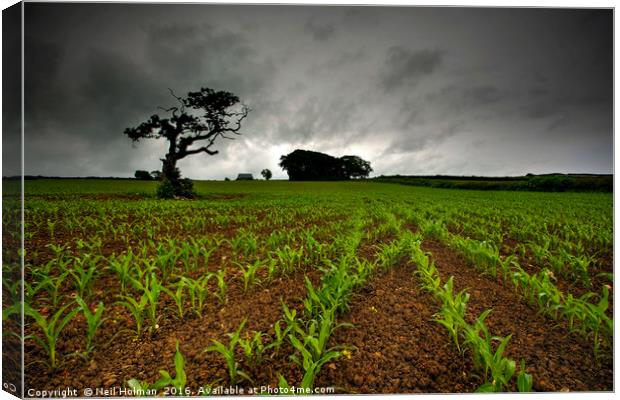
(169, 189)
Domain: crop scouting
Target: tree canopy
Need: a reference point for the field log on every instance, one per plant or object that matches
(266, 173)
(305, 165)
(143, 175)
(194, 125)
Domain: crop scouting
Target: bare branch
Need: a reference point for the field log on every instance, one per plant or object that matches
(203, 149)
(173, 109)
(179, 99)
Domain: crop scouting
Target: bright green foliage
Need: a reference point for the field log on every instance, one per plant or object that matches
(347, 231)
(179, 380)
(279, 334)
(228, 353)
(93, 321)
(198, 292)
(290, 259)
(83, 273)
(524, 380)
(151, 288)
(452, 313)
(51, 284)
(253, 348)
(122, 266)
(51, 327)
(310, 342)
(497, 370)
(166, 380)
(389, 255)
(249, 273)
(137, 309)
(222, 286)
(178, 296)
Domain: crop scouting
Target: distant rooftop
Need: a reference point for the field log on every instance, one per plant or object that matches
(245, 176)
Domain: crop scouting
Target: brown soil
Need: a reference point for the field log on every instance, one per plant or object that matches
(12, 354)
(398, 348)
(558, 359)
(87, 196)
(120, 357)
(40, 241)
(128, 196)
(566, 284)
(603, 263)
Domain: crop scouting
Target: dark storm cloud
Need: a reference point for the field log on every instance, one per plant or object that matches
(418, 141)
(404, 66)
(317, 120)
(463, 97)
(11, 90)
(41, 65)
(320, 31)
(414, 90)
(341, 60)
(482, 95)
(205, 53)
(118, 87)
(86, 99)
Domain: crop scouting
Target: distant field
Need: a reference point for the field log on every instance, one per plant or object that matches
(536, 183)
(423, 278)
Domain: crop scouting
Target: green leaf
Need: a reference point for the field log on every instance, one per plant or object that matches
(282, 383)
(486, 388)
(136, 385)
(524, 380)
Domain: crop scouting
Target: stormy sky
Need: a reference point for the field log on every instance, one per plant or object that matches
(413, 90)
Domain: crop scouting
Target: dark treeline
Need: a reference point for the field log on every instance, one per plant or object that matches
(544, 183)
(530, 182)
(306, 165)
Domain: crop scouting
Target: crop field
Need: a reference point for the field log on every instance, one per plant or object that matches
(355, 287)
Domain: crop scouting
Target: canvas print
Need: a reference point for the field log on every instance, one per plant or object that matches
(227, 199)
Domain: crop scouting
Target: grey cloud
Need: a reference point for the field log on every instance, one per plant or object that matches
(538, 91)
(318, 120)
(320, 31)
(403, 66)
(41, 67)
(119, 89)
(541, 109)
(558, 122)
(482, 95)
(460, 98)
(417, 86)
(115, 90)
(417, 141)
(364, 17)
(341, 60)
(203, 55)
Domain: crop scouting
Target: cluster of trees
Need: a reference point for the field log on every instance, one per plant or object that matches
(147, 176)
(305, 165)
(201, 118)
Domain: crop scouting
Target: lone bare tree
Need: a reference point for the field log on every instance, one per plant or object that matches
(195, 124)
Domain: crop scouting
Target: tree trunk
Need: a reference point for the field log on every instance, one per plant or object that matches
(172, 185)
(169, 168)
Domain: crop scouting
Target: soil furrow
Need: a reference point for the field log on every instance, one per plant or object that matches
(399, 349)
(119, 358)
(566, 284)
(558, 359)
